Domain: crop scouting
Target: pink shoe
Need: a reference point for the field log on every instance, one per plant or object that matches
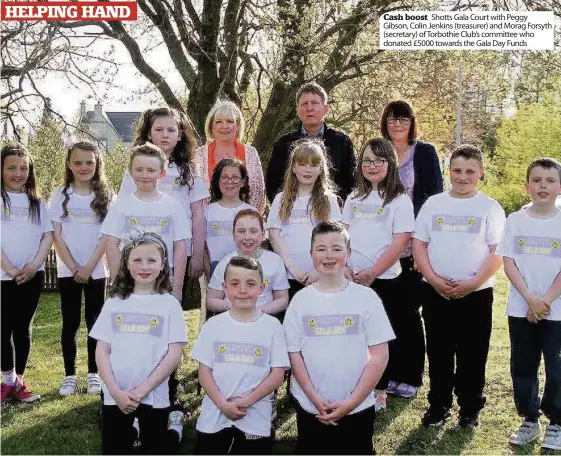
(8, 391)
(23, 393)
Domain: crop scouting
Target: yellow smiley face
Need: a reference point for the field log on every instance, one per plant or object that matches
(68, 212)
(349, 321)
(215, 226)
(222, 349)
(119, 319)
(555, 244)
(154, 322)
(521, 242)
(164, 223)
(380, 211)
(6, 210)
(176, 181)
(440, 220)
(257, 352)
(471, 221)
(132, 221)
(355, 208)
(266, 281)
(311, 323)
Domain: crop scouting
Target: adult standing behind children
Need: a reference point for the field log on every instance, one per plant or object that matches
(312, 108)
(420, 174)
(224, 129)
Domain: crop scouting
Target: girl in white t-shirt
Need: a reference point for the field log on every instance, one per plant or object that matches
(248, 237)
(229, 194)
(307, 198)
(140, 334)
(379, 217)
(78, 209)
(173, 132)
(26, 240)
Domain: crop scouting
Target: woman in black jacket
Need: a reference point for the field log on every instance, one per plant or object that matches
(419, 171)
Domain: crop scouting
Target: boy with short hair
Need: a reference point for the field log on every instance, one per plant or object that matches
(454, 243)
(531, 247)
(336, 334)
(242, 359)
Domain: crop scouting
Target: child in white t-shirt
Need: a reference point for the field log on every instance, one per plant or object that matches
(379, 217)
(78, 209)
(336, 335)
(141, 332)
(306, 199)
(26, 241)
(531, 247)
(229, 194)
(172, 131)
(248, 237)
(454, 246)
(242, 359)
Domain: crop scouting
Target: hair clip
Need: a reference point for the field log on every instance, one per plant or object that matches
(69, 142)
(135, 236)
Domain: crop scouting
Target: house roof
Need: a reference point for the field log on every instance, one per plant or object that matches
(124, 123)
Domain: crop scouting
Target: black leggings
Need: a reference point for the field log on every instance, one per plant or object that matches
(71, 309)
(19, 304)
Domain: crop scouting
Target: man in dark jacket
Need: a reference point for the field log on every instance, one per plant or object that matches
(311, 108)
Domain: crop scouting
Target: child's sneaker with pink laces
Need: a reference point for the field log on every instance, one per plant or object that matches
(24, 394)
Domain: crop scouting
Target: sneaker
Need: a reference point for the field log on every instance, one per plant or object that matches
(24, 394)
(93, 383)
(69, 386)
(392, 387)
(469, 421)
(7, 391)
(175, 422)
(526, 433)
(552, 438)
(435, 417)
(405, 390)
(381, 400)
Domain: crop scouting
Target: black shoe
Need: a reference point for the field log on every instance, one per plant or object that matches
(436, 417)
(469, 421)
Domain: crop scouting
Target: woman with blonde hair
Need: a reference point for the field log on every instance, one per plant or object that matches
(224, 129)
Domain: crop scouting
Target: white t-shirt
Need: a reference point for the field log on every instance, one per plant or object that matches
(459, 232)
(333, 332)
(372, 226)
(274, 275)
(219, 222)
(80, 230)
(296, 232)
(170, 186)
(164, 217)
(139, 330)
(241, 355)
(22, 236)
(535, 246)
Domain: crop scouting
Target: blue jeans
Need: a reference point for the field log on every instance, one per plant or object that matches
(528, 341)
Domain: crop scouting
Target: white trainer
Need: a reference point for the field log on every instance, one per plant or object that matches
(93, 383)
(69, 386)
(526, 433)
(552, 438)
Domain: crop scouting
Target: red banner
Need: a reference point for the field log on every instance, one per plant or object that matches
(69, 11)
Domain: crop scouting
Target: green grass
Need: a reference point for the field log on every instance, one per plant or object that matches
(71, 425)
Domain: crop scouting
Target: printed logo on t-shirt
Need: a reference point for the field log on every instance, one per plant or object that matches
(126, 322)
(234, 352)
(369, 212)
(535, 245)
(15, 214)
(84, 216)
(331, 325)
(160, 225)
(169, 184)
(215, 229)
(456, 223)
(299, 217)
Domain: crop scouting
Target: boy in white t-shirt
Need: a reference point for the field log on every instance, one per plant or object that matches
(242, 359)
(531, 247)
(336, 335)
(454, 244)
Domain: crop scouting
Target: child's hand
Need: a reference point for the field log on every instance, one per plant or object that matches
(321, 405)
(364, 277)
(233, 411)
(26, 274)
(298, 274)
(349, 274)
(137, 393)
(241, 402)
(83, 274)
(531, 317)
(312, 278)
(442, 286)
(338, 410)
(178, 293)
(14, 272)
(538, 306)
(462, 288)
(196, 266)
(126, 403)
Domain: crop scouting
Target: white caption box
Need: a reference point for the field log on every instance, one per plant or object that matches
(491, 30)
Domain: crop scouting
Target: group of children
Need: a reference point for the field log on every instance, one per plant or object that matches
(339, 270)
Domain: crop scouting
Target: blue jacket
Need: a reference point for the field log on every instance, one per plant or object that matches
(428, 176)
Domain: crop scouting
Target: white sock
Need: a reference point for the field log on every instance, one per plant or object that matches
(9, 378)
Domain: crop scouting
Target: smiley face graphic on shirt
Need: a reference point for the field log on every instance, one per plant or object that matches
(349, 321)
(119, 319)
(222, 349)
(521, 242)
(257, 352)
(154, 322)
(555, 244)
(311, 323)
(133, 221)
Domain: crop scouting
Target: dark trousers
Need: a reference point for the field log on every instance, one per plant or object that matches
(71, 309)
(231, 441)
(352, 435)
(528, 341)
(118, 434)
(458, 335)
(19, 304)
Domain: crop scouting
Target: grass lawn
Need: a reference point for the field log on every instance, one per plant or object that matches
(70, 426)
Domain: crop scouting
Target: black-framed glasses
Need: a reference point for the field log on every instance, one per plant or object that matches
(233, 179)
(400, 120)
(377, 162)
